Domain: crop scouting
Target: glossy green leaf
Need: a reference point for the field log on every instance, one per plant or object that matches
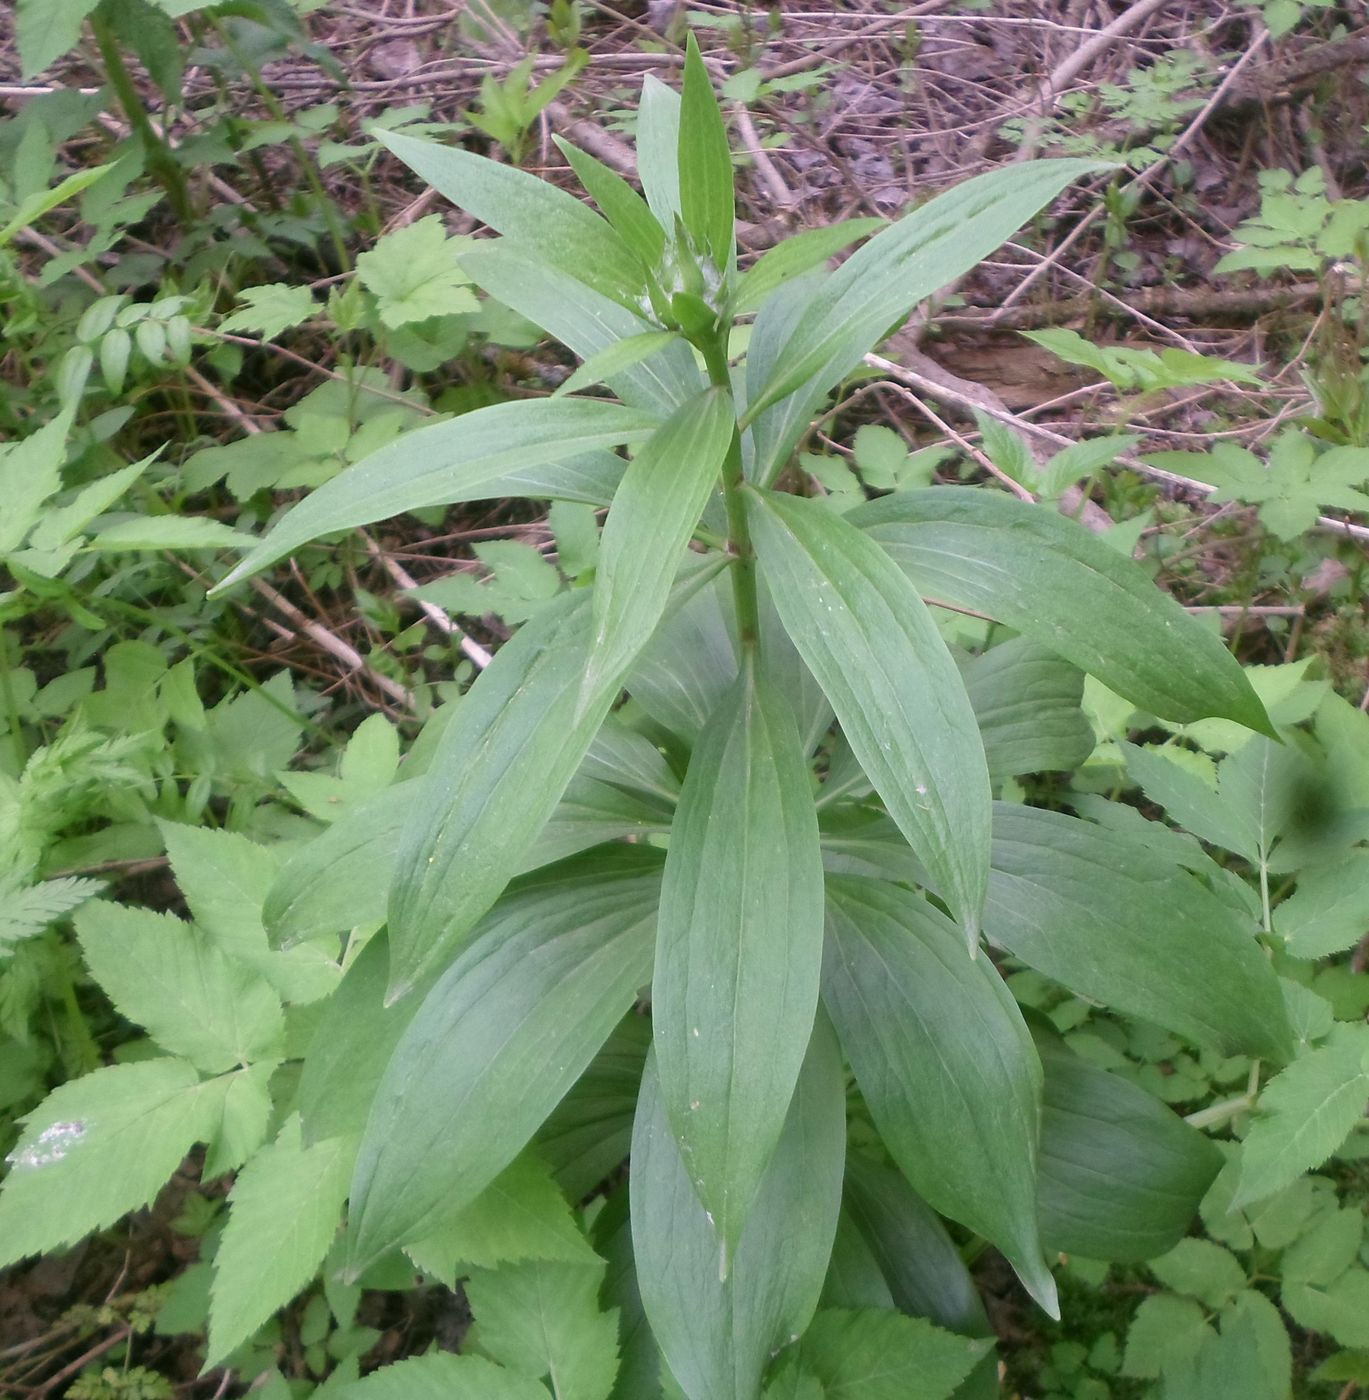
(1121, 1175)
(705, 161)
(465, 459)
(866, 635)
(1048, 577)
(622, 206)
(649, 525)
(739, 948)
(717, 1336)
(501, 1037)
(536, 214)
(879, 284)
(944, 1062)
(795, 255)
(1111, 919)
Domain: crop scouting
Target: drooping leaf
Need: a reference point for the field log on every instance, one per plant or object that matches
(1121, 1175)
(1111, 919)
(739, 948)
(881, 282)
(283, 1213)
(501, 1037)
(1306, 1112)
(543, 1319)
(97, 1148)
(533, 213)
(652, 518)
(877, 1355)
(705, 161)
(166, 976)
(1048, 577)
(867, 637)
(944, 1062)
(151, 532)
(467, 458)
(442, 1376)
(717, 1336)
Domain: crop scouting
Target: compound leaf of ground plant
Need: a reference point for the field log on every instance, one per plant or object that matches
(1341, 1309)
(588, 323)
(148, 532)
(738, 948)
(46, 30)
(168, 977)
(30, 471)
(1188, 798)
(1329, 910)
(442, 1376)
(244, 1112)
(283, 1213)
(538, 216)
(464, 459)
(1121, 1176)
(97, 1148)
(520, 1215)
(413, 274)
(793, 257)
(651, 520)
(1290, 489)
(1114, 921)
(501, 1037)
(882, 281)
(717, 1336)
(500, 768)
(874, 1354)
(705, 162)
(26, 910)
(944, 1062)
(543, 1320)
(1230, 1363)
(1306, 1112)
(622, 206)
(869, 639)
(1050, 579)
(268, 310)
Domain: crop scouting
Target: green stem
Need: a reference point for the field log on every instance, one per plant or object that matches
(11, 701)
(159, 158)
(744, 594)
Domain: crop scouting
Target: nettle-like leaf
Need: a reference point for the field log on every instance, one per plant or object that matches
(442, 1376)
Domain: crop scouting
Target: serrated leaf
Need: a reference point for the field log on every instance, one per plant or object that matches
(271, 309)
(878, 1355)
(1200, 1269)
(543, 1319)
(868, 638)
(1236, 1362)
(97, 1148)
(283, 1212)
(739, 948)
(1328, 1248)
(1166, 1333)
(166, 976)
(459, 460)
(243, 1117)
(149, 532)
(442, 1376)
(502, 1036)
(1048, 577)
(655, 512)
(705, 162)
(1341, 1309)
(46, 30)
(30, 472)
(26, 910)
(1190, 801)
(944, 1061)
(413, 274)
(1329, 910)
(1113, 920)
(717, 1336)
(881, 282)
(1305, 1113)
(520, 1215)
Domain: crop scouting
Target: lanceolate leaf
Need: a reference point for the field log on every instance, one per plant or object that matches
(99, 1147)
(623, 207)
(283, 1214)
(531, 212)
(1049, 578)
(653, 516)
(705, 163)
(1112, 920)
(867, 637)
(717, 1336)
(795, 256)
(658, 145)
(739, 948)
(880, 283)
(1121, 1174)
(465, 459)
(503, 1034)
(944, 1061)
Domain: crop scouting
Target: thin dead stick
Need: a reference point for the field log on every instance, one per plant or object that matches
(439, 619)
(1249, 610)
